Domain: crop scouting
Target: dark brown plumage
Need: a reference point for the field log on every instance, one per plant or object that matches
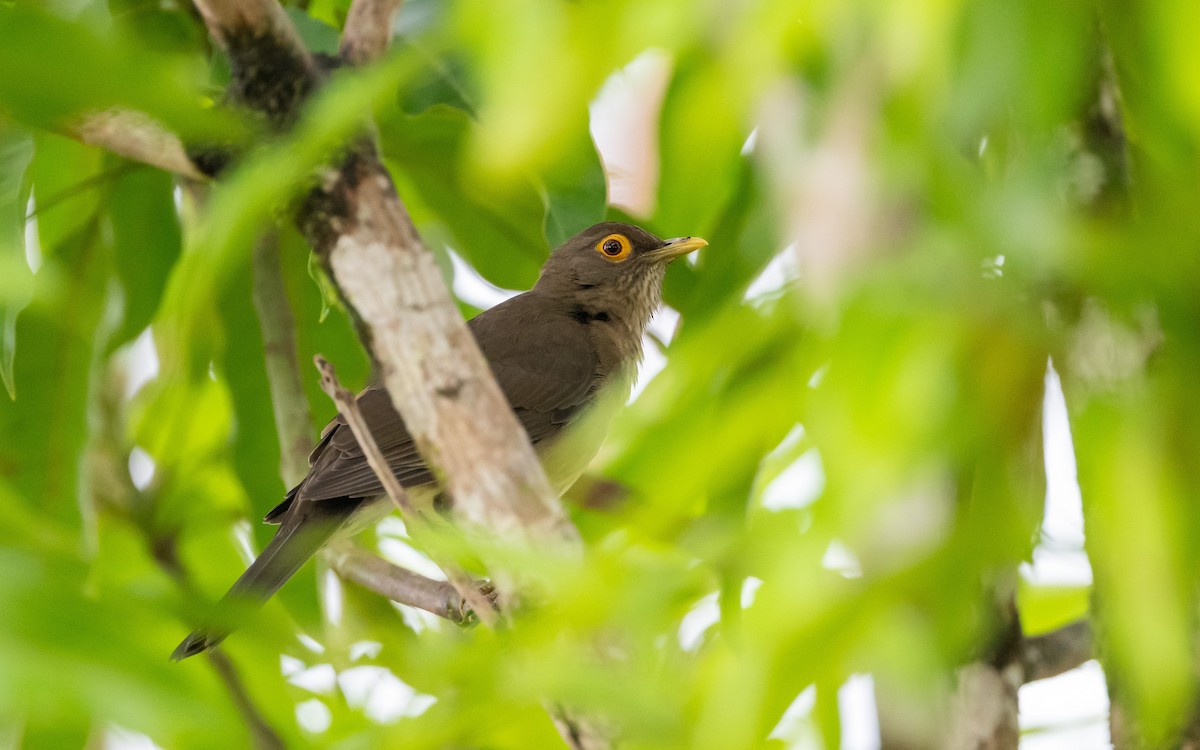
(552, 350)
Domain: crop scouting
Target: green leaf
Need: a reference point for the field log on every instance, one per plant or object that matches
(1045, 608)
(697, 120)
(160, 26)
(330, 335)
(256, 442)
(45, 429)
(743, 239)
(105, 70)
(1136, 544)
(317, 35)
(575, 190)
(148, 241)
(499, 234)
(255, 439)
(54, 624)
(16, 153)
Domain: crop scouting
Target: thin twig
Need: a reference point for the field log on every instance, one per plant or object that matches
(1058, 651)
(265, 737)
(579, 732)
(398, 584)
(368, 30)
(293, 421)
(347, 405)
(111, 485)
(95, 182)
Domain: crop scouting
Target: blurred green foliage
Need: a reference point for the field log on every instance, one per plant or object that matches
(968, 189)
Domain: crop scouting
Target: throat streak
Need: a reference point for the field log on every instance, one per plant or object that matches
(586, 318)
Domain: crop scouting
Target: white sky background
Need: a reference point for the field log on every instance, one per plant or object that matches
(1073, 707)
(1069, 711)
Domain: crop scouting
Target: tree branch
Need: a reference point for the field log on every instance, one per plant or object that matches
(1058, 651)
(399, 584)
(264, 18)
(985, 701)
(272, 71)
(265, 737)
(293, 421)
(347, 406)
(983, 711)
(135, 136)
(368, 30)
(414, 517)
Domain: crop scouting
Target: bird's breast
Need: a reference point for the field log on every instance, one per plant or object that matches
(567, 455)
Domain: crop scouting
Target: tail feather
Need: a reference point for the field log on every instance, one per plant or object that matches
(299, 538)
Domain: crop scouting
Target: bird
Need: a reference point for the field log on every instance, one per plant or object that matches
(566, 348)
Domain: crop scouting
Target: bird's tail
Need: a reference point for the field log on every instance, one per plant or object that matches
(299, 538)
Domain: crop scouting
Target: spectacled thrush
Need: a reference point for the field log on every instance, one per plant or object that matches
(553, 350)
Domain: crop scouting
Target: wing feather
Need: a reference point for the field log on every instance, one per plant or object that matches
(546, 366)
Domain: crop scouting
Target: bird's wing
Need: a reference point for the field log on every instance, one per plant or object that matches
(339, 467)
(546, 368)
(544, 361)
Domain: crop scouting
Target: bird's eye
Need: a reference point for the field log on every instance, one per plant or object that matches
(614, 247)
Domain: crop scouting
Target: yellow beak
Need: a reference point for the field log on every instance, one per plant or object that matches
(675, 248)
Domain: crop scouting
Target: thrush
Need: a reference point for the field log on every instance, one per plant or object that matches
(554, 351)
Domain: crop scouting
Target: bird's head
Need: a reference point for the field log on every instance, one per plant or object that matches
(613, 269)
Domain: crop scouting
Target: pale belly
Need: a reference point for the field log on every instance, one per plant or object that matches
(564, 459)
(567, 456)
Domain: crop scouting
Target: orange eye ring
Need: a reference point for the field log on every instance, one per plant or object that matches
(614, 248)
